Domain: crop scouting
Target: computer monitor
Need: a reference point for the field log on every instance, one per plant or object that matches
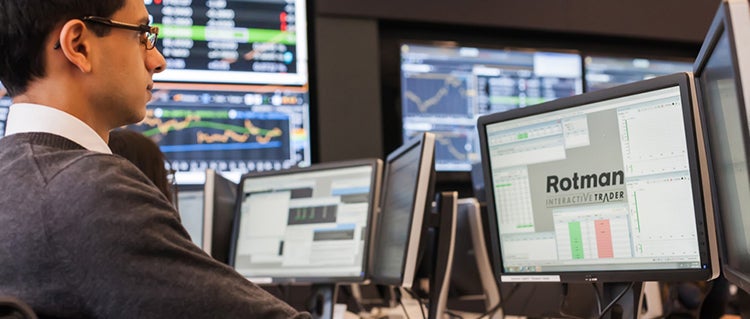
(232, 41)
(607, 186)
(606, 71)
(407, 187)
(445, 86)
(722, 73)
(220, 198)
(234, 129)
(206, 212)
(308, 225)
(190, 205)
(5, 102)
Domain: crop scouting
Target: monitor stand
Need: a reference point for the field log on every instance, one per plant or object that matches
(321, 301)
(443, 223)
(628, 306)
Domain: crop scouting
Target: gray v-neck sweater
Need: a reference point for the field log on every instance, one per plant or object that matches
(87, 235)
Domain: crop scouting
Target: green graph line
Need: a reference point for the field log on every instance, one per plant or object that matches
(204, 124)
(240, 35)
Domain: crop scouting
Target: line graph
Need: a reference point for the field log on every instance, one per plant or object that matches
(261, 135)
(217, 133)
(451, 146)
(437, 94)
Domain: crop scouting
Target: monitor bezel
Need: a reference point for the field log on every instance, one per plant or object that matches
(703, 212)
(375, 182)
(730, 16)
(223, 194)
(425, 143)
(208, 210)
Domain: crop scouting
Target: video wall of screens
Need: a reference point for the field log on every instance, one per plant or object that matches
(445, 88)
(603, 72)
(233, 129)
(232, 41)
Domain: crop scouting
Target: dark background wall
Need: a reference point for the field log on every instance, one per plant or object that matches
(355, 39)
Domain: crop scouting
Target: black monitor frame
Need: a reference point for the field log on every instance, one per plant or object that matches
(219, 199)
(373, 197)
(732, 20)
(425, 144)
(697, 166)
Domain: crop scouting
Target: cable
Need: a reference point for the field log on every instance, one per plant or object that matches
(598, 298)
(419, 300)
(533, 290)
(453, 314)
(499, 305)
(406, 313)
(491, 311)
(614, 301)
(348, 289)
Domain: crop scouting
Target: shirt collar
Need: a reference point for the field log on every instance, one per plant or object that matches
(27, 118)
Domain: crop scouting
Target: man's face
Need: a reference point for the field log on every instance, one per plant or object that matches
(124, 69)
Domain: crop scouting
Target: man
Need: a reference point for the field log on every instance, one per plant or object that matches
(83, 233)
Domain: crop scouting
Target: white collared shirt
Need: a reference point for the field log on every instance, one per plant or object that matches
(27, 118)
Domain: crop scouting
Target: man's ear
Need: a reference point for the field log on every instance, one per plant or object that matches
(75, 44)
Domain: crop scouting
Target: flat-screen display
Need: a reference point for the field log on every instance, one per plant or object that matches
(306, 224)
(5, 102)
(406, 198)
(445, 87)
(605, 186)
(607, 71)
(190, 206)
(722, 73)
(206, 211)
(232, 41)
(233, 129)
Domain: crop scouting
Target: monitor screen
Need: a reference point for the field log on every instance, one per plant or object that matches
(444, 88)
(5, 102)
(232, 41)
(306, 224)
(233, 129)
(190, 207)
(607, 71)
(604, 186)
(722, 73)
(406, 198)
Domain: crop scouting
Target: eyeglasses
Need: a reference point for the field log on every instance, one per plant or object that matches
(149, 33)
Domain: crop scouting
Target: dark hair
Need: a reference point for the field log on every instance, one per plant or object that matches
(145, 154)
(26, 26)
